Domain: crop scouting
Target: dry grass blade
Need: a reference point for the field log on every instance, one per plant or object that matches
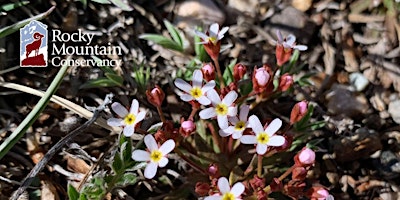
(79, 110)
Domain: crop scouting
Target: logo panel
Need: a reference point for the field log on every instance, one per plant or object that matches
(33, 49)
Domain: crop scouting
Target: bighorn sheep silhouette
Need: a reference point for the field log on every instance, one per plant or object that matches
(35, 45)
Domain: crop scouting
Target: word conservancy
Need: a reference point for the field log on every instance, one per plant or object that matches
(34, 48)
(85, 50)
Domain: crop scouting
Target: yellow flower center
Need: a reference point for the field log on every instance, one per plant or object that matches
(262, 138)
(228, 196)
(196, 92)
(130, 119)
(221, 109)
(240, 125)
(214, 40)
(155, 156)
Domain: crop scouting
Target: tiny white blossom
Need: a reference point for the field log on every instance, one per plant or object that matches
(263, 138)
(289, 42)
(214, 34)
(238, 124)
(127, 119)
(196, 91)
(221, 109)
(155, 156)
(227, 193)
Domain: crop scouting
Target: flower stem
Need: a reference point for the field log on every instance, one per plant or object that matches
(160, 112)
(259, 165)
(219, 74)
(283, 176)
(194, 110)
(230, 145)
(215, 136)
(190, 162)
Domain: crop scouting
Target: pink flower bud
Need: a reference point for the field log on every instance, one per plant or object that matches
(307, 156)
(298, 112)
(155, 96)
(262, 76)
(285, 82)
(202, 189)
(213, 170)
(239, 70)
(187, 128)
(208, 72)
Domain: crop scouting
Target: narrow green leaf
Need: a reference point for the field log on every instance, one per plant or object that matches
(34, 114)
(122, 5)
(115, 78)
(73, 194)
(12, 6)
(163, 41)
(100, 82)
(15, 27)
(228, 73)
(174, 33)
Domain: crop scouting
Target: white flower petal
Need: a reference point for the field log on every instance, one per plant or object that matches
(222, 32)
(214, 29)
(237, 134)
(208, 86)
(290, 40)
(223, 185)
(261, 149)
(186, 97)
(216, 197)
(273, 127)
(233, 120)
(151, 170)
(276, 141)
(203, 100)
(248, 139)
(222, 121)
(140, 116)
(237, 189)
(226, 132)
(214, 97)
(150, 142)
(129, 130)
(140, 155)
(207, 113)
(279, 35)
(232, 111)
(230, 98)
(119, 109)
(134, 107)
(197, 78)
(244, 112)
(300, 47)
(255, 124)
(181, 84)
(201, 35)
(115, 122)
(167, 147)
(163, 161)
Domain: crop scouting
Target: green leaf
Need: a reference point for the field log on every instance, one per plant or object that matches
(163, 41)
(97, 83)
(154, 128)
(15, 27)
(126, 179)
(73, 194)
(122, 5)
(228, 73)
(117, 164)
(174, 33)
(126, 151)
(115, 78)
(84, 2)
(11, 6)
